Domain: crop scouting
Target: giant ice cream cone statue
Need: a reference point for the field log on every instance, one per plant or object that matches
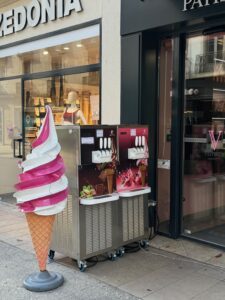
(42, 193)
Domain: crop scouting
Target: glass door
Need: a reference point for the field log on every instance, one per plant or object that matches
(164, 135)
(204, 138)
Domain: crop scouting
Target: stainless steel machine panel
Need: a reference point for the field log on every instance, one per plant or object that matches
(66, 228)
(133, 218)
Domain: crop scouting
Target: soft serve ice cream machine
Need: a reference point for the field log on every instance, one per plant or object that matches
(132, 183)
(107, 206)
(88, 226)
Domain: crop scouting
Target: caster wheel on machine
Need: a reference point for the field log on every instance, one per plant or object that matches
(120, 252)
(144, 244)
(82, 265)
(51, 256)
(112, 256)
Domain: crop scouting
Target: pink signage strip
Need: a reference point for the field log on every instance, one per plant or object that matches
(214, 143)
(43, 202)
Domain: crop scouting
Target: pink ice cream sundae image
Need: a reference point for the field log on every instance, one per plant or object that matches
(128, 178)
(43, 187)
(135, 176)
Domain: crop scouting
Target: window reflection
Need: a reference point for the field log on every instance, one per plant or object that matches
(204, 141)
(10, 115)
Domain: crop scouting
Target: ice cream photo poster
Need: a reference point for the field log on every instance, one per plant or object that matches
(42, 189)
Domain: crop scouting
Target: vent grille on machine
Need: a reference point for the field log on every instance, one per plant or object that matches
(133, 218)
(98, 227)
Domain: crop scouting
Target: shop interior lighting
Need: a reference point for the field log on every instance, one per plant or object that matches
(219, 90)
(66, 48)
(79, 45)
(64, 38)
(221, 60)
(45, 52)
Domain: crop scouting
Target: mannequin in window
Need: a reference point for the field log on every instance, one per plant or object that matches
(72, 114)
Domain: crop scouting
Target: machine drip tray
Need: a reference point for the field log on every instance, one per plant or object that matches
(100, 199)
(136, 192)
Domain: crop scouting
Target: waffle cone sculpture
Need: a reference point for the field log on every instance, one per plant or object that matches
(42, 193)
(41, 231)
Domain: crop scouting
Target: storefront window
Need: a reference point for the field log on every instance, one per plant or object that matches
(10, 115)
(204, 138)
(74, 100)
(71, 87)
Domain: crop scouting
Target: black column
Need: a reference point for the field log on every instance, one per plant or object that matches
(130, 79)
(177, 136)
(149, 102)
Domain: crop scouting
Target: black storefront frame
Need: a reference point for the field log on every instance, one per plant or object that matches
(176, 171)
(149, 109)
(60, 72)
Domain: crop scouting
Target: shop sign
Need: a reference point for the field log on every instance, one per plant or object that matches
(194, 4)
(214, 142)
(35, 13)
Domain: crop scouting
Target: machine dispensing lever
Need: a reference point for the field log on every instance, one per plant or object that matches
(139, 151)
(104, 154)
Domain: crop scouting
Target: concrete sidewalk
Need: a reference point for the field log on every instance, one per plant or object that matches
(16, 264)
(188, 271)
(147, 275)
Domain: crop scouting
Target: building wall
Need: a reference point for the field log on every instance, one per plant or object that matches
(109, 12)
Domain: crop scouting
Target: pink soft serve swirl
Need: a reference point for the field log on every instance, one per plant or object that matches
(45, 174)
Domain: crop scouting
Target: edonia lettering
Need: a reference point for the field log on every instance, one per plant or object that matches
(35, 13)
(193, 4)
